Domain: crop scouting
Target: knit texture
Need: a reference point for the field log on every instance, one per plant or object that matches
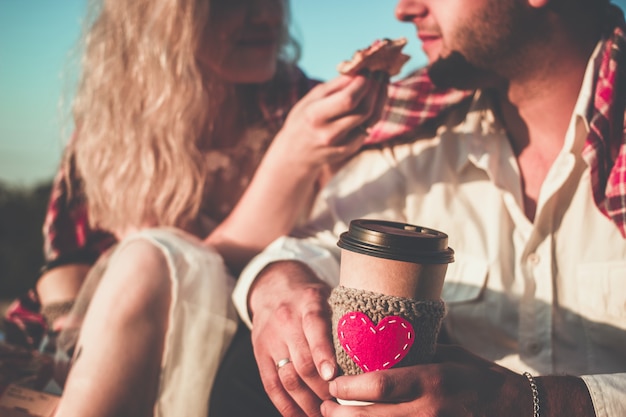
(425, 316)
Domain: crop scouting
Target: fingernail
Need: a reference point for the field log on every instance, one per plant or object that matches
(328, 371)
(332, 388)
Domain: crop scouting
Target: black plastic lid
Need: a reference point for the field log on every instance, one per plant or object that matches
(397, 241)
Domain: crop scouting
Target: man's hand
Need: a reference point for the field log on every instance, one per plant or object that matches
(291, 321)
(457, 384)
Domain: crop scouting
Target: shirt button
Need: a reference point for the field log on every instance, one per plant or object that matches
(533, 348)
(533, 259)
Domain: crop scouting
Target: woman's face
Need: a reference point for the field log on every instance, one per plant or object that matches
(243, 38)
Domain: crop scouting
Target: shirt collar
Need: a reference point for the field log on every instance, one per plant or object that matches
(478, 133)
(481, 130)
(579, 126)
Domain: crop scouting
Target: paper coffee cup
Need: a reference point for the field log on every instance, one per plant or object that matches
(387, 309)
(394, 259)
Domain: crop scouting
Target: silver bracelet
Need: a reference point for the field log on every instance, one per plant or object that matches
(535, 391)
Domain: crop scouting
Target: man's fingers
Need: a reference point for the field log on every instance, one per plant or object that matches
(275, 390)
(381, 386)
(287, 369)
(315, 336)
(297, 382)
(332, 409)
(302, 396)
(285, 387)
(318, 335)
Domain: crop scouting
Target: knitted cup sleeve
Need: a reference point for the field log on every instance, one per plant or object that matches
(425, 316)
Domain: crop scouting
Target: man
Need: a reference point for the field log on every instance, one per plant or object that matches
(525, 179)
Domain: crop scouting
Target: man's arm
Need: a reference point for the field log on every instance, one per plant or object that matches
(320, 254)
(607, 393)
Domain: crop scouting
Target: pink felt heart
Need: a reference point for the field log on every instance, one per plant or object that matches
(375, 347)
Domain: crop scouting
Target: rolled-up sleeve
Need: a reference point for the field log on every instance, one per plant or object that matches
(323, 262)
(315, 242)
(608, 394)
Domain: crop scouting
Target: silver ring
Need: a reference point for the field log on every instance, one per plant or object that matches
(282, 363)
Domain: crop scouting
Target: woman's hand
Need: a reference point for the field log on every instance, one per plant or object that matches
(321, 130)
(328, 124)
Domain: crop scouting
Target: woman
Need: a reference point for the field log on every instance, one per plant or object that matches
(177, 104)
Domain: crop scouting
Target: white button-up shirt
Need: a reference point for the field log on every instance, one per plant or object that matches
(547, 296)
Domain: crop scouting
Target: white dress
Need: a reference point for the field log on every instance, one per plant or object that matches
(202, 318)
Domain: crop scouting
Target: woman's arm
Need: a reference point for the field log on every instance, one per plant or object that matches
(122, 338)
(319, 132)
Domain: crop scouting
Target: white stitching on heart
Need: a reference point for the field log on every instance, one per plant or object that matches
(365, 320)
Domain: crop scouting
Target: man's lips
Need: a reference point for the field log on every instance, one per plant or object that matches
(431, 43)
(428, 37)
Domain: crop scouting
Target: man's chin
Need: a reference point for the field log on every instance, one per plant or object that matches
(454, 71)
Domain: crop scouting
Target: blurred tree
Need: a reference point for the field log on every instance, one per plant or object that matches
(22, 212)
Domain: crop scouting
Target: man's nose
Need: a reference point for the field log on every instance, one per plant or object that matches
(410, 10)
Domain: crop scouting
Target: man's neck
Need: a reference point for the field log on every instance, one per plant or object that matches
(536, 110)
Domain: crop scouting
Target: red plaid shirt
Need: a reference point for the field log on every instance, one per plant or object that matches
(605, 149)
(413, 102)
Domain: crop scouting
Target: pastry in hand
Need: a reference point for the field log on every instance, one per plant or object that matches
(383, 55)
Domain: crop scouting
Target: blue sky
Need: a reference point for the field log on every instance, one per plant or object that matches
(36, 37)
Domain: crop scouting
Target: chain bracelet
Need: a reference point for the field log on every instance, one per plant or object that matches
(535, 392)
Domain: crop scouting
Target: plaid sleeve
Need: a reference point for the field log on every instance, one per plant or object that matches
(67, 236)
(411, 103)
(605, 147)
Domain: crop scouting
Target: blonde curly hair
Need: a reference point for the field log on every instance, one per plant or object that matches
(143, 110)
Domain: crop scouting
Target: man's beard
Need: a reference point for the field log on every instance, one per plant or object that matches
(489, 47)
(454, 71)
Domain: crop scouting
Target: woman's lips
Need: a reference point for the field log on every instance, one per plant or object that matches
(258, 39)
